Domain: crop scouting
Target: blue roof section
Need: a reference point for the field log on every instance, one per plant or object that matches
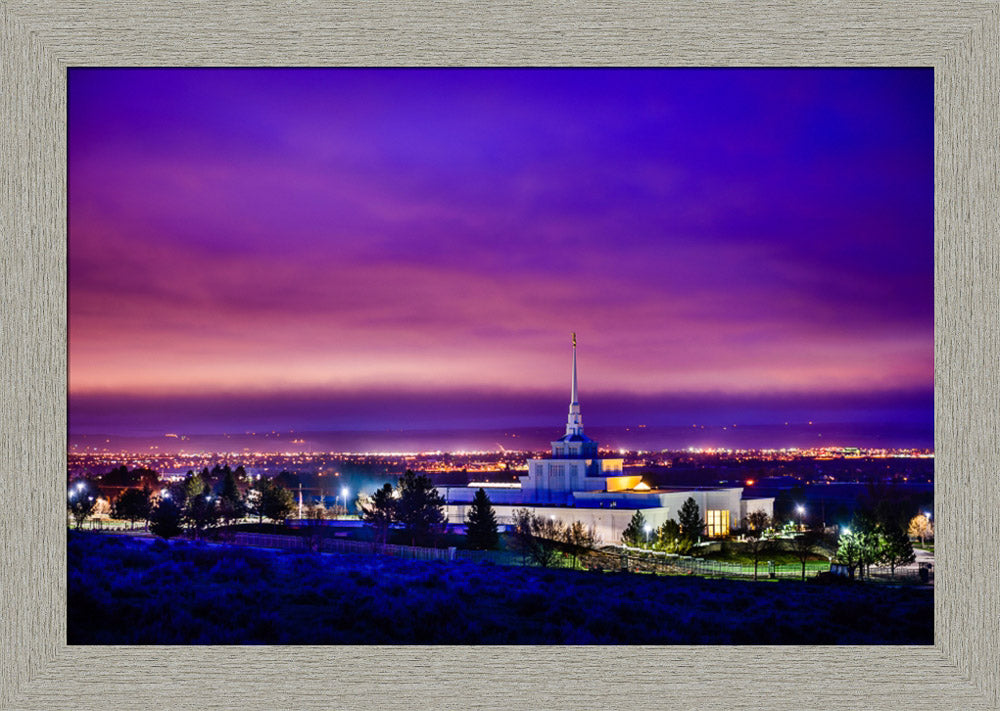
(575, 438)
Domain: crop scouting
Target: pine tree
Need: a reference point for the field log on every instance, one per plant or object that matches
(231, 506)
(420, 507)
(379, 512)
(481, 525)
(634, 533)
(690, 521)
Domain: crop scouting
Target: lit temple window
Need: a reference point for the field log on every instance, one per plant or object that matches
(717, 522)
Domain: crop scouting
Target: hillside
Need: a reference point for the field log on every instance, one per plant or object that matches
(123, 591)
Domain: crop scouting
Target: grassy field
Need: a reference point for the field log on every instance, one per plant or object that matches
(124, 591)
(781, 558)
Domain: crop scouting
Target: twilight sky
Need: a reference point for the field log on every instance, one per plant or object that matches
(366, 249)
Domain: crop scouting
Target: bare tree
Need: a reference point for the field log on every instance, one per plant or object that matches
(803, 545)
(757, 525)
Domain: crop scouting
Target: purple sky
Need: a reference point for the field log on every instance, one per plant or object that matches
(411, 248)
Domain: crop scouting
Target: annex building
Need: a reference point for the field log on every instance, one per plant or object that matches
(575, 483)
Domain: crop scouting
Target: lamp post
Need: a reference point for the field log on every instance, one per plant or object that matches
(344, 492)
(647, 528)
(800, 509)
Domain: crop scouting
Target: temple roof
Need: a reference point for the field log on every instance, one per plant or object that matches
(575, 438)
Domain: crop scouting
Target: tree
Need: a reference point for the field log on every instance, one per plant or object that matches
(379, 512)
(920, 527)
(758, 543)
(849, 551)
(81, 499)
(897, 550)
(690, 521)
(165, 519)
(803, 545)
(669, 539)
(287, 479)
(420, 507)
(276, 503)
(194, 484)
(634, 533)
(231, 506)
(579, 540)
(201, 511)
(481, 523)
(868, 536)
(537, 538)
(255, 495)
(521, 533)
(132, 505)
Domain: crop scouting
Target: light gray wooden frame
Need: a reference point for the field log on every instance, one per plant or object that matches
(39, 40)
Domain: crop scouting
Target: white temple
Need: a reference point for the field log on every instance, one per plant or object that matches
(576, 484)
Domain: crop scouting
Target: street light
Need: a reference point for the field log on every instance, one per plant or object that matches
(344, 492)
(801, 510)
(647, 528)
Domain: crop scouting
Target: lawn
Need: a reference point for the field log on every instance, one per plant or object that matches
(125, 591)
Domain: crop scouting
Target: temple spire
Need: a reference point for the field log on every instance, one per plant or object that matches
(572, 398)
(574, 422)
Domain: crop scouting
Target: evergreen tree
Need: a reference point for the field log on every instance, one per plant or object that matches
(690, 521)
(420, 507)
(481, 525)
(668, 537)
(379, 512)
(165, 519)
(231, 506)
(634, 535)
(194, 484)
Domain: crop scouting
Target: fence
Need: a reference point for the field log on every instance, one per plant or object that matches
(621, 558)
(922, 572)
(640, 560)
(340, 545)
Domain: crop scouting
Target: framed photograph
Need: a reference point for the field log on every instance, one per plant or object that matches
(132, 142)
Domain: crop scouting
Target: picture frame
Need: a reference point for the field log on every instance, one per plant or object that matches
(39, 40)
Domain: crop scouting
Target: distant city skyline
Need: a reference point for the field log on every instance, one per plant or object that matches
(365, 249)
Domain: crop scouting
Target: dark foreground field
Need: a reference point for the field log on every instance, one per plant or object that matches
(123, 591)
